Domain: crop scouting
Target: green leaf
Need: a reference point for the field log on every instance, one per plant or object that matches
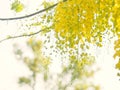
(24, 80)
(45, 76)
(17, 6)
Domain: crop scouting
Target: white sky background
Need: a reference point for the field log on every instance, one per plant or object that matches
(11, 69)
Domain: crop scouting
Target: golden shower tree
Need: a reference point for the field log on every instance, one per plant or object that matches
(75, 25)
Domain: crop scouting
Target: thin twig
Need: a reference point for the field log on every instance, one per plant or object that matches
(23, 35)
(30, 15)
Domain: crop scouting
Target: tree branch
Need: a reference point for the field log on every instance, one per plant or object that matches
(23, 35)
(30, 15)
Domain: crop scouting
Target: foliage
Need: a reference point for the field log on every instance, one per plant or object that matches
(77, 22)
(24, 80)
(79, 72)
(17, 6)
(37, 65)
(77, 69)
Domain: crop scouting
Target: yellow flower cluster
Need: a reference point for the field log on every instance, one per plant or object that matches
(75, 18)
(82, 20)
